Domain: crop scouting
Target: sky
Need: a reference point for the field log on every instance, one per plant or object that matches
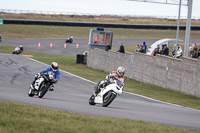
(111, 7)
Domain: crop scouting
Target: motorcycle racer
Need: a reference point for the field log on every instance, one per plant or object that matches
(52, 68)
(119, 74)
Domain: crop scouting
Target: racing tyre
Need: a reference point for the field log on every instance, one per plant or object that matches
(30, 93)
(91, 100)
(108, 98)
(43, 90)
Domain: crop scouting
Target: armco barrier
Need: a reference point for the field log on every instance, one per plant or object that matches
(167, 72)
(82, 24)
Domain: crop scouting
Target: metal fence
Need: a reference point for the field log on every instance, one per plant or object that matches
(79, 13)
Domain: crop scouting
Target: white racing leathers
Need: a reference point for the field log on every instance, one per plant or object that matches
(108, 94)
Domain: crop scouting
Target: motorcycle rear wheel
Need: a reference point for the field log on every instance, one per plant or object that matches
(108, 100)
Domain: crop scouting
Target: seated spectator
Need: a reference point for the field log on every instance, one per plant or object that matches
(121, 48)
(137, 48)
(144, 47)
(108, 47)
(177, 52)
(156, 51)
(141, 50)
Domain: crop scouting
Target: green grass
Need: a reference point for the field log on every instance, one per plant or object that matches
(69, 64)
(34, 31)
(16, 118)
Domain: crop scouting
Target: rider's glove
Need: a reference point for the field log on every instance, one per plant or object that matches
(37, 75)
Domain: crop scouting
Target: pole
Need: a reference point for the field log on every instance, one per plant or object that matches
(178, 25)
(188, 27)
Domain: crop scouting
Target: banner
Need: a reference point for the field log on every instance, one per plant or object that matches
(1, 21)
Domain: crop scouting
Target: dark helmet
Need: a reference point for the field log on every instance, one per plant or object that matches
(54, 66)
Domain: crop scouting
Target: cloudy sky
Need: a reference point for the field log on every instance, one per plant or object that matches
(113, 7)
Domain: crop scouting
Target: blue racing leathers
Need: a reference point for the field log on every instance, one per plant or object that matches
(57, 73)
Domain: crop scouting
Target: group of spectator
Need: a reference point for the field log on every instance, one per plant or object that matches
(141, 48)
(163, 51)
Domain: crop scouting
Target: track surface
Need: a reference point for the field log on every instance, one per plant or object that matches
(72, 94)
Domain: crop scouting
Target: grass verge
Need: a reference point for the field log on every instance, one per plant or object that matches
(68, 63)
(34, 31)
(27, 119)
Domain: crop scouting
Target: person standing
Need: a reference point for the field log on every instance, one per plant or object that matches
(121, 48)
(156, 51)
(144, 47)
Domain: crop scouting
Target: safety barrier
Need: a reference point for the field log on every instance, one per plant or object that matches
(106, 25)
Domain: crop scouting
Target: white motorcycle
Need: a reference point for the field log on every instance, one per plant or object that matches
(42, 85)
(107, 94)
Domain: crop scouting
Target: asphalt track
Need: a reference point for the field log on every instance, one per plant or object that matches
(72, 94)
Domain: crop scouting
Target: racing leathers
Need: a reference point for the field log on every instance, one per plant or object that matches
(47, 69)
(109, 79)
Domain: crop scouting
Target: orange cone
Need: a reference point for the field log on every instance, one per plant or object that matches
(51, 45)
(65, 45)
(39, 45)
(77, 45)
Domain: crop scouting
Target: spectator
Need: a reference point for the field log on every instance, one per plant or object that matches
(165, 50)
(141, 50)
(137, 48)
(121, 48)
(144, 47)
(0, 37)
(177, 51)
(108, 47)
(193, 51)
(156, 51)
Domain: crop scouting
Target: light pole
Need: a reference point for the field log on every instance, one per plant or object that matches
(178, 25)
(188, 27)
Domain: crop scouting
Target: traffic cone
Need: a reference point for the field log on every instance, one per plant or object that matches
(51, 45)
(65, 45)
(39, 45)
(77, 45)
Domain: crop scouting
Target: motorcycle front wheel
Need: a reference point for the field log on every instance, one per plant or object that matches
(108, 98)
(91, 100)
(43, 90)
(30, 93)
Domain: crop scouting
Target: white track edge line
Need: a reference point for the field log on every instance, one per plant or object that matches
(124, 91)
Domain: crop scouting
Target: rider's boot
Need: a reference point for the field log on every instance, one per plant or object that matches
(51, 88)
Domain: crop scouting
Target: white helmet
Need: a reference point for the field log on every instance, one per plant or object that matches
(54, 66)
(120, 71)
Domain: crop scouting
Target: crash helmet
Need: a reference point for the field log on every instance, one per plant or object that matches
(120, 71)
(54, 66)
(20, 46)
